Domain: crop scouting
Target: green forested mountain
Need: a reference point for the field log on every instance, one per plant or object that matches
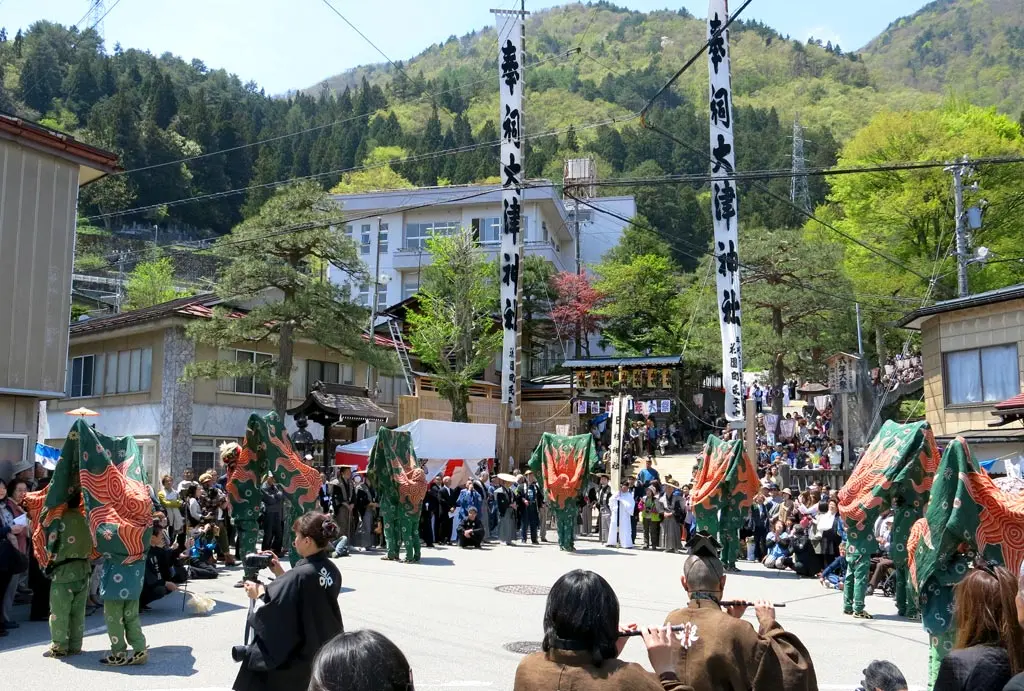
(970, 48)
(157, 110)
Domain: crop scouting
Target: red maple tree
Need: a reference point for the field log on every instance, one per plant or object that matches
(576, 304)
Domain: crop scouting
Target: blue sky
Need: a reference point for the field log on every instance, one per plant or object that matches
(287, 44)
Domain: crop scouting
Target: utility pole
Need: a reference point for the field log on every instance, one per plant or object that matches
(962, 253)
(860, 341)
(119, 300)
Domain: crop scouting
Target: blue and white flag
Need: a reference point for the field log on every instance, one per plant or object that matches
(47, 456)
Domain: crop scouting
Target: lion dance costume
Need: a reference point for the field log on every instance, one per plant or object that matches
(117, 505)
(267, 449)
(564, 465)
(896, 471)
(967, 517)
(401, 486)
(723, 492)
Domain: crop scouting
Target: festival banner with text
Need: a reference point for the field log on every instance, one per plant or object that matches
(725, 212)
(510, 72)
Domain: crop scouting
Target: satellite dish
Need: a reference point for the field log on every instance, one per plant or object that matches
(983, 254)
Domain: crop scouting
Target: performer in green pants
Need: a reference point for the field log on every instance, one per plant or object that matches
(69, 581)
(401, 486)
(564, 465)
(723, 491)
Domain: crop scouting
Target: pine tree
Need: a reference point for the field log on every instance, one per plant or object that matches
(40, 76)
(309, 308)
(81, 87)
(162, 102)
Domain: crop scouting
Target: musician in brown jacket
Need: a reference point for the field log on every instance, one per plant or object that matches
(720, 652)
(582, 644)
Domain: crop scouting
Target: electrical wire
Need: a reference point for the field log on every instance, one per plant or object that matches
(408, 159)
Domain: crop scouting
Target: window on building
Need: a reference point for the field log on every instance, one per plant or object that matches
(129, 371)
(348, 230)
(382, 295)
(80, 377)
(410, 284)
(382, 239)
(417, 234)
(487, 230)
(327, 372)
(364, 240)
(250, 384)
(981, 375)
(205, 453)
(363, 296)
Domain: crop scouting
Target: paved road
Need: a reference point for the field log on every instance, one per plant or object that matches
(452, 624)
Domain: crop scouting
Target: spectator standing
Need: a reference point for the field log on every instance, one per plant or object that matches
(649, 474)
(505, 506)
(429, 512)
(652, 518)
(448, 497)
(11, 511)
(759, 526)
(528, 499)
(273, 515)
(366, 509)
(343, 501)
(604, 496)
(671, 507)
(171, 503)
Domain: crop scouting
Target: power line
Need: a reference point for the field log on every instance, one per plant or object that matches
(695, 58)
(365, 38)
(674, 242)
(317, 128)
(408, 159)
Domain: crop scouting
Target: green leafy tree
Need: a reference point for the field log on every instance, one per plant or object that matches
(151, 283)
(639, 316)
(909, 215)
(268, 263)
(377, 174)
(40, 76)
(538, 298)
(454, 331)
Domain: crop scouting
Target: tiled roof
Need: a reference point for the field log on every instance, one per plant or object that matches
(327, 403)
(192, 306)
(1015, 402)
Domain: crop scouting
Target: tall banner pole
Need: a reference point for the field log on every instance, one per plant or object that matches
(511, 58)
(725, 211)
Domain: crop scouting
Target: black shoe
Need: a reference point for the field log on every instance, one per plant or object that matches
(535, 542)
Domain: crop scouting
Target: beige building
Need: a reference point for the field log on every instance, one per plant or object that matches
(973, 352)
(128, 367)
(40, 174)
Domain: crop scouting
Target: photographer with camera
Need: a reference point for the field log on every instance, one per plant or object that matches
(293, 616)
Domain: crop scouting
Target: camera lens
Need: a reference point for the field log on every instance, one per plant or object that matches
(238, 652)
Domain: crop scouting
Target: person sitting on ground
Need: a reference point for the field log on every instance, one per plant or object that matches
(361, 660)
(583, 640)
(804, 560)
(834, 574)
(727, 654)
(159, 578)
(882, 675)
(471, 530)
(777, 542)
(989, 647)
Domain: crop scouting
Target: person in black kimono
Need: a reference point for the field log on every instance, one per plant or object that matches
(429, 513)
(298, 612)
(163, 572)
(471, 530)
(447, 498)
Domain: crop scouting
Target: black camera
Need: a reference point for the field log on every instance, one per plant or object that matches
(253, 564)
(238, 652)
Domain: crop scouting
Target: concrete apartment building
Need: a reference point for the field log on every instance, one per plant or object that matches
(394, 225)
(40, 174)
(973, 356)
(128, 368)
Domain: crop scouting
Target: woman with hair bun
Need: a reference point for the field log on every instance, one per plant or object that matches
(295, 614)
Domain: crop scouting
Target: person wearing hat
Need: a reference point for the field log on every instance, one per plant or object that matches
(471, 530)
(723, 652)
(529, 499)
(673, 512)
(505, 503)
(604, 497)
(214, 504)
(620, 530)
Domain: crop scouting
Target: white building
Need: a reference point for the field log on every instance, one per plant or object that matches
(397, 223)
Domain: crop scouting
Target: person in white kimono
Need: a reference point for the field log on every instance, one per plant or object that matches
(621, 505)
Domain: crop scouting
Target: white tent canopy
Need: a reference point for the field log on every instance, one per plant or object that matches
(440, 440)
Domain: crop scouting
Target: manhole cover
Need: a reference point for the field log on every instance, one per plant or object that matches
(522, 647)
(520, 589)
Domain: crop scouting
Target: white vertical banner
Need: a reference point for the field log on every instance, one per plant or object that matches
(725, 212)
(510, 83)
